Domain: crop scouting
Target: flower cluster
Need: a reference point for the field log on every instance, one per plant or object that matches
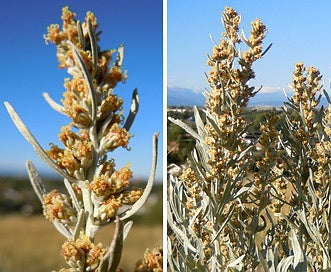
(96, 113)
(89, 99)
(96, 189)
(306, 87)
(230, 92)
(82, 253)
(152, 261)
(228, 81)
(58, 206)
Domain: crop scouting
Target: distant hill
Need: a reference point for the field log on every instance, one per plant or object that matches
(271, 99)
(185, 97)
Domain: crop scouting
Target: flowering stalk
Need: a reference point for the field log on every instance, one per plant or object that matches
(212, 199)
(238, 210)
(306, 139)
(96, 189)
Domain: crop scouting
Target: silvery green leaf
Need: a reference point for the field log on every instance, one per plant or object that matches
(93, 42)
(215, 261)
(284, 264)
(81, 35)
(206, 93)
(288, 98)
(244, 38)
(189, 243)
(243, 153)
(313, 231)
(87, 201)
(243, 190)
(79, 224)
(72, 194)
(119, 56)
(180, 233)
(299, 261)
(223, 224)
(62, 229)
(171, 262)
(312, 190)
(225, 197)
(136, 206)
(199, 124)
(116, 247)
(263, 262)
(290, 105)
(36, 146)
(271, 259)
(196, 166)
(283, 216)
(318, 100)
(88, 80)
(35, 180)
(214, 124)
(57, 107)
(212, 39)
(199, 161)
(237, 263)
(133, 110)
(104, 126)
(111, 259)
(327, 96)
(203, 155)
(186, 127)
(126, 229)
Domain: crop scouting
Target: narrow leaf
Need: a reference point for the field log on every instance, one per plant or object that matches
(119, 56)
(126, 229)
(199, 124)
(262, 260)
(81, 35)
(236, 262)
(116, 246)
(187, 128)
(299, 261)
(327, 96)
(35, 180)
(93, 42)
(62, 229)
(133, 110)
(72, 195)
(88, 79)
(79, 224)
(57, 107)
(284, 264)
(224, 223)
(36, 146)
(136, 206)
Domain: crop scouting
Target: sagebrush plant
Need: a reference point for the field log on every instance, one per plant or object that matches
(241, 209)
(96, 188)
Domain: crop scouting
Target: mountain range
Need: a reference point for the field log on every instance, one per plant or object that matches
(178, 96)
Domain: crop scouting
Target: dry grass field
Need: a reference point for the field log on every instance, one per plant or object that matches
(32, 244)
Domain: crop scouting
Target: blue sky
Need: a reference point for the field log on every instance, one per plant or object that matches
(29, 68)
(299, 31)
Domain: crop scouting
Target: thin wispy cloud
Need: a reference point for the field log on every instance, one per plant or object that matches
(271, 89)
